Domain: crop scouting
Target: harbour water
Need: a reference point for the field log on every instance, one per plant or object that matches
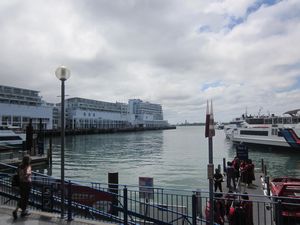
(174, 158)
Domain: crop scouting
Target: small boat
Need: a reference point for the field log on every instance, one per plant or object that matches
(11, 136)
(289, 188)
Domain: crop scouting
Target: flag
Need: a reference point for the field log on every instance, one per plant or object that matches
(209, 123)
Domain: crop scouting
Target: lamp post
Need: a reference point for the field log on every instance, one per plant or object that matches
(62, 73)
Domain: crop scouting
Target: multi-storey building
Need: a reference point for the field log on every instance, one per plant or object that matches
(145, 114)
(18, 106)
(87, 113)
(84, 113)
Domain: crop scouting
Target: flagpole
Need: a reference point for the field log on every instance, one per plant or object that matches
(211, 181)
(210, 132)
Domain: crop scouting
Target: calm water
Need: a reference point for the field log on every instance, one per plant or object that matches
(175, 158)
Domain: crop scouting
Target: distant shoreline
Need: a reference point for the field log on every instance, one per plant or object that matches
(191, 124)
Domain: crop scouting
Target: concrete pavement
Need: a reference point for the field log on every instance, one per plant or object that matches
(40, 218)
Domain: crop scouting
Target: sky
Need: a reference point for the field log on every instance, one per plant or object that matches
(241, 54)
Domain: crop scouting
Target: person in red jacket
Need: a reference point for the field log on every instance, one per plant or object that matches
(219, 210)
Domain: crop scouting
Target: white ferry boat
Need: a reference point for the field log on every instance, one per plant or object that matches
(271, 131)
(11, 136)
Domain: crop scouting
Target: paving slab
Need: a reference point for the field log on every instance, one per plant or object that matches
(41, 218)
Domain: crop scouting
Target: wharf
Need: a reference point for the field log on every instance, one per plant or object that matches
(261, 203)
(35, 161)
(104, 130)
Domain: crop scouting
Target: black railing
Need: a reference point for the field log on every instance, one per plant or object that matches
(129, 205)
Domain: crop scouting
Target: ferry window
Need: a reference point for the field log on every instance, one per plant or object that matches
(6, 119)
(254, 132)
(274, 131)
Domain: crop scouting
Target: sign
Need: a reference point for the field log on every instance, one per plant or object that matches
(146, 187)
(47, 198)
(242, 152)
(210, 171)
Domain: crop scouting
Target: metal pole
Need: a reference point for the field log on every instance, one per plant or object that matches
(194, 209)
(62, 169)
(211, 182)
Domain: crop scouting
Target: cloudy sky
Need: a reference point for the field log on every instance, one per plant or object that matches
(239, 53)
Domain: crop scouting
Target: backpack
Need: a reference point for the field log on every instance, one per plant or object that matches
(15, 179)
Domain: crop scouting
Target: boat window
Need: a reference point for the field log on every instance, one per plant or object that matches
(291, 191)
(9, 138)
(274, 131)
(254, 132)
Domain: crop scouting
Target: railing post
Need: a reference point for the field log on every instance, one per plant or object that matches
(279, 218)
(267, 182)
(125, 206)
(69, 201)
(194, 209)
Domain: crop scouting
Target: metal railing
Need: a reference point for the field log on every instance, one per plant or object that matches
(132, 205)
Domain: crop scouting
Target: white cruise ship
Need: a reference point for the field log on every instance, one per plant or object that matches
(277, 132)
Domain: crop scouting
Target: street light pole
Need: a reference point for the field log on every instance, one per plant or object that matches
(62, 73)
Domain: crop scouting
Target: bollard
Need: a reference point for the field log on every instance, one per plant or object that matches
(265, 170)
(113, 187)
(267, 182)
(194, 209)
(125, 206)
(69, 201)
(262, 165)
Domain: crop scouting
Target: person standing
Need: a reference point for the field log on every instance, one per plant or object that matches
(230, 173)
(218, 179)
(24, 171)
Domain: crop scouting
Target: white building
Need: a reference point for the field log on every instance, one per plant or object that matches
(18, 106)
(145, 114)
(87, 113)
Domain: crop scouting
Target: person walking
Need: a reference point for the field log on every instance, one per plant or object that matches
(218, 179)
(24, 171)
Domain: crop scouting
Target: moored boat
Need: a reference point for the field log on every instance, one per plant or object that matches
(287, 190)
(11, 136)
(268, 131)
